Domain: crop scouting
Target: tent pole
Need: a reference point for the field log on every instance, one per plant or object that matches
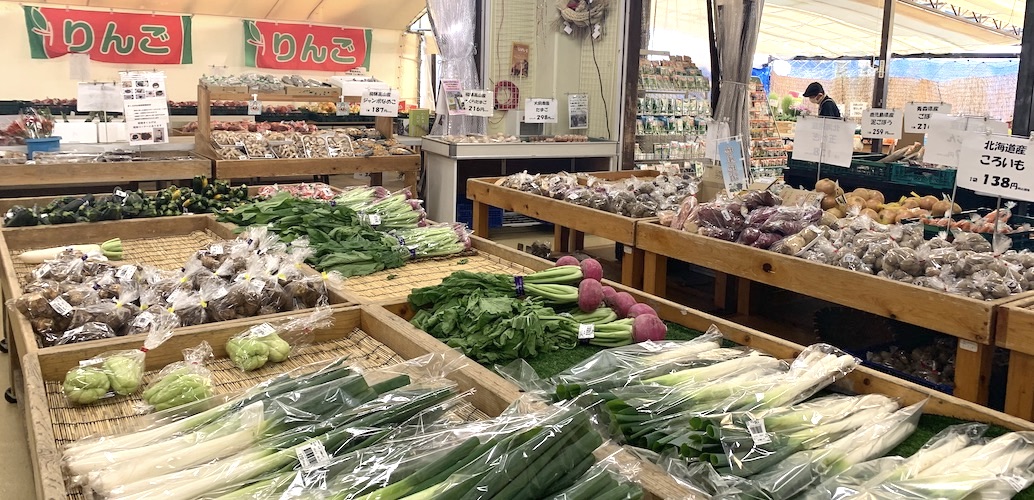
(879, 91)
(634, 27)
(1021, 124)
(716, 72)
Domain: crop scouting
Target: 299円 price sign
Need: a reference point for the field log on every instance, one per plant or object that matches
(998, 165)
(379, 103)
(540, 111)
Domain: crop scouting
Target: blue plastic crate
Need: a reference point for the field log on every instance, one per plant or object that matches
(465, 214)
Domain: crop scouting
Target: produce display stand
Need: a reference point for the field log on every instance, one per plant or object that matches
(1015, 332)
(408, 165)
(165, 242)
(971, 321)
(571, 222)
(79, 175)
(369, 335)
(449, 165)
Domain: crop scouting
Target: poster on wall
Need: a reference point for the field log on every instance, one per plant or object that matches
(277, 45)
(146, 107)
(453, 90)
(116, 37)
(519, 60)
(578, 111)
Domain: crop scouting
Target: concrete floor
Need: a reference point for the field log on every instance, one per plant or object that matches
(15, 466)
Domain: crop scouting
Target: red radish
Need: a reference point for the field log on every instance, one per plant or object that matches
(623, 301)
(640, 309)
(590, 295)
(648, 327)
(592, 270)
(608, 294)
(567, 260)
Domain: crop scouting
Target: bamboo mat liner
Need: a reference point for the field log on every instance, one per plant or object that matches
(377, 287)
(166, 252)
(117, 414)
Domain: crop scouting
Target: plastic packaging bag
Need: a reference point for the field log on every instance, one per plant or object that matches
(274, 343)
(182, 382)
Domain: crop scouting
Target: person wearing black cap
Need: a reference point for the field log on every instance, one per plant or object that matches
(817, 95)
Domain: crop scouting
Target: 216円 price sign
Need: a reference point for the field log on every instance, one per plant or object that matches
(997, 165)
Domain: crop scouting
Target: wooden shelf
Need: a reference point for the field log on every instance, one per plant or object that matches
(98, 174)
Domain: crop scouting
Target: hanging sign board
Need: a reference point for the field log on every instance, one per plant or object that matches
(115, 37)
(918, 115)
(734, 168)
(999, 165)
(540, 111)
(578, 111)
(823, 140)
(478, 102)
(944, 140)
(146, 107)
(715, 130)
(99, 96)
(878, 123)
(295, 46)
(379, 103)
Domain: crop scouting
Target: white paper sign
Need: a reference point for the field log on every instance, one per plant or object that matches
(478, 102)
(918, 115)
(856, 109)
(454, 96)
(99, 96)
(715, 130)
(999, 165)
(881, 123)
(254, 107)
(823, 140)
(944, 140)
(540, 111)
(578, 111)
(379, 103)
(79, 67)
(146, 106)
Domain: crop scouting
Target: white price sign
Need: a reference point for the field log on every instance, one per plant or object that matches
(823, 140)
(999, 165)
(714, 131)
(255, 107)
(540, 111)
(944, 140)
(881, 123)
(478, 102)
(379, 103)
(918, 115)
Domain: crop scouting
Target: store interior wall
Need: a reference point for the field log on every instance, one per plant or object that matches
(218, 46)
(558, 63)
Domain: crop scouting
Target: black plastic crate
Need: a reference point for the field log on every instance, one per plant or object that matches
(1021, 240)
(937, 178)
(863, 166)
(863, 355)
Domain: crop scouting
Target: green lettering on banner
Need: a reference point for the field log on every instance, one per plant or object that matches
(161, 33)
(312, 51)
(123, 44)
(279, 39)
(71, 29)
(343, 44)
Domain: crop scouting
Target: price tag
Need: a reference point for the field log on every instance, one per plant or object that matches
(999, 165)
(540, 111)
(825, 140)
(41, 271)
(254, 105)
(379, 103)
(85, 362)
(220, 293)
(478, 102)
(375, 219)
(586, 332)
(120, 193)
(61, 306)
(257, 285)
(342, 108)
(143, 320)
(313, 456)
(262, 330)
(756, 428)
(216, 249)
(125, 272)
(881, 123)
(734, 169)
(918, 115)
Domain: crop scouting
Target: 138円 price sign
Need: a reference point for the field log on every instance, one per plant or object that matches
(540, 111)
(379, 103)
(999, 165)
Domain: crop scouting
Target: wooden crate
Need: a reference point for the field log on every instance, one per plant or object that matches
(971, 321)
(1015, 332)
(157, 238)
(571, 221)
(408, 165)
(99, 174)
(383, 335)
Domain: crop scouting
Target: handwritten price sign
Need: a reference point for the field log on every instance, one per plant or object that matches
(881, 123)
(540, 111)
(918, 115)
(999, 165)
(478, 102)
(379, 103)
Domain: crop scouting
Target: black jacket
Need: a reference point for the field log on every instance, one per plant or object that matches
(829, 108)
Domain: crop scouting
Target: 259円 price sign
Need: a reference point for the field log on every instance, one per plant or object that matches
(379, 103)
(881, 123)
(999, 165)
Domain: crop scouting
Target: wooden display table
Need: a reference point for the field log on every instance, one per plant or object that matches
(571, 221)
(83, 175)
(1015, 332)
(971, 321)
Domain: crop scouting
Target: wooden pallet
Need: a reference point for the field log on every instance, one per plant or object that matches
(971, 321)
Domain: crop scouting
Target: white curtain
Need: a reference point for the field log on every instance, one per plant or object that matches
(453, 25)
(737, 23)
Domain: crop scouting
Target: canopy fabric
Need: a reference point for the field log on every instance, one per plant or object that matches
(791, 28)
(382, 14)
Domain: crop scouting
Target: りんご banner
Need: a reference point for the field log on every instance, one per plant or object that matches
(116, 37)
(276, 45)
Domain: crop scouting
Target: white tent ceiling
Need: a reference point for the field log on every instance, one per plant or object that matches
(383, 14)
(791, 28)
